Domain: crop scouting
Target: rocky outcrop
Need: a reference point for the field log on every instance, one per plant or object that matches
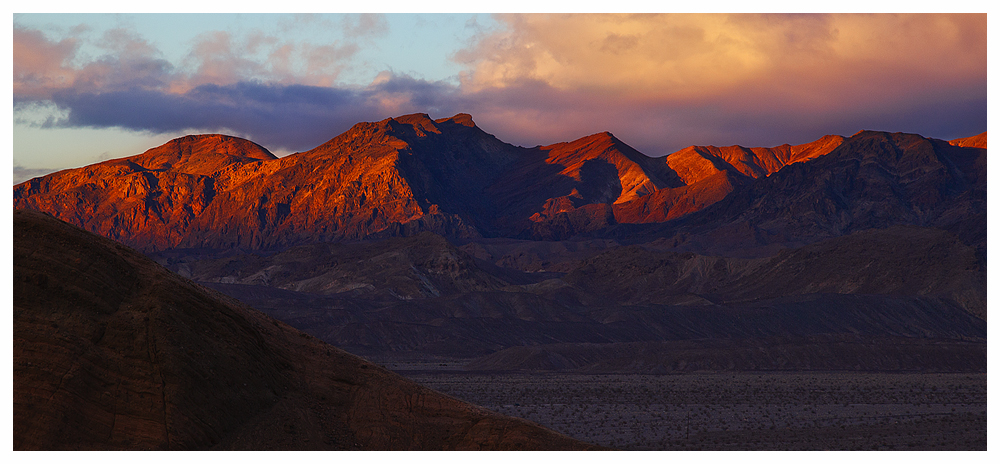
(976, 141)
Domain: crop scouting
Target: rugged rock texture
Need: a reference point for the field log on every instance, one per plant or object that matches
(376, 177)
(674, 186)
(111, 351)
(708, 174)
(872, 180)
(901, 260)
(149, 199)
(697, 163)
(674, 203)
(598, 169)
(395, 177)
(419, 266)
(880, 235)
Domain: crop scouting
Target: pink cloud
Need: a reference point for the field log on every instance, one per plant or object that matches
(658, 82)
(685, 57)
(40, 64)
(766, 72)
(43, 66)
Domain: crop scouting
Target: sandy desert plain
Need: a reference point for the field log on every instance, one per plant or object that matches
(733, 410)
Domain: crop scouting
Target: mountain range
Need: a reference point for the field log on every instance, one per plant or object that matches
(415, 238)
(404, 175)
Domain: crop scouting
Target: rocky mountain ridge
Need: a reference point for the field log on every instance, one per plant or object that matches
(396, 177)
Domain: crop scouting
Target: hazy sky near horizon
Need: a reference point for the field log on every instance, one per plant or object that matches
(89, 87)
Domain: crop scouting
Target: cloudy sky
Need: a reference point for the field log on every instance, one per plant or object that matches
(90, 87)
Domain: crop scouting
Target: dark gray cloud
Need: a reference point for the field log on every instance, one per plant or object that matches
(300, 117)
(293, 117)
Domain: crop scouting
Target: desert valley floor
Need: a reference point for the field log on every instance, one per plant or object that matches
(733, 410)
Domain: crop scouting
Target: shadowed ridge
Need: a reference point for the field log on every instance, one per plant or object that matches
(421, 123)
(674, 203)
(637, 173)
(705, 175)
(560, 190)
(872, 180)
(111, 351)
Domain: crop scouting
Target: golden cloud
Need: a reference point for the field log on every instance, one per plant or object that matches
(684, 57)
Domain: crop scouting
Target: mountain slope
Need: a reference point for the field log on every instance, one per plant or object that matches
(421, 296)
(111, 351)
(374, 177)
(406, 172)
(404, 175)
(976, 141)
(394, 177)
(872, 180)
(150, 198)
(708, 174)
(610, 183)
(696, 163)
(899, 261)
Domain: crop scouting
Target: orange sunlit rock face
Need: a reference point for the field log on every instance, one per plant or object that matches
(149, 198)
(396, 177)
(710, 173)
(976, 141)
(696, 163)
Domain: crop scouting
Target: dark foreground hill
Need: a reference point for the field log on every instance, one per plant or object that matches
(111, 351)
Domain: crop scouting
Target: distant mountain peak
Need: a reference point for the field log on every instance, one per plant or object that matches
(202, 137)
(419, 121)
(464, 119)
(201, 154)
